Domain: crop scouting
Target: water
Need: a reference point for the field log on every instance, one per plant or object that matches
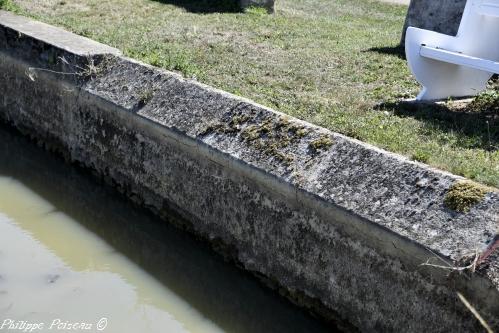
(73, 251)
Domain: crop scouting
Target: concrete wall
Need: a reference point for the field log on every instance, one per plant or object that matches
(336, 225)
(442, 16)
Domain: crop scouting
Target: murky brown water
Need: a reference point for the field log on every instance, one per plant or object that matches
(74, 251)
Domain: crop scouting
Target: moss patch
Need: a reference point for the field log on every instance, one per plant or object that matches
(271, 136)
(145, 97)
(321, 143)
(464, 195)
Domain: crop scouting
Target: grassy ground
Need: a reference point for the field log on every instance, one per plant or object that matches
(330, 62)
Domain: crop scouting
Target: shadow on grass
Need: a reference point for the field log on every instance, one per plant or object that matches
(205, 6)
(480, 129)
(397, 51)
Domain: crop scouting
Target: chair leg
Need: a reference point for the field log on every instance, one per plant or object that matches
(422, 94)
(441, 80)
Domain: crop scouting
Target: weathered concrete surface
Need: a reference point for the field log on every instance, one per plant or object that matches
(442, 16)
(267, 4)
(340, 226)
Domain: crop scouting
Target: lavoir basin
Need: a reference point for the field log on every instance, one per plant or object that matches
(75, 255)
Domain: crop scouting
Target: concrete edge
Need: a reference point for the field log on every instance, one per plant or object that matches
(55, 36)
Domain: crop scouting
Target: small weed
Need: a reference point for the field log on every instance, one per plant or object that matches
(467, 264)
(90, 70)
(256, 11)
(421, 156)
(9, 5)
(145, 96)
(488, 100)
(93, 69)
(477, 315)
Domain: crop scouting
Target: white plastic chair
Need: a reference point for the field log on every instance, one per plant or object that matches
(460, 66)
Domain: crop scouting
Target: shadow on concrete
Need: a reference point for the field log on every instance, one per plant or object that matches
(205, 6)
(480, 129)
(398, 51)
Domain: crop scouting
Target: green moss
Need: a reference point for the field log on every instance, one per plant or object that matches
(239, 119)
(274, 148)
(269, 135)
(321, 143)
(256, 131)
(230, 127)
(270, 138)
(464, 195)
(145, 96)
(217, 128)
(251, 133)
(301, 132)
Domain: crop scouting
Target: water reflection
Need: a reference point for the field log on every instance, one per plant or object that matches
(73, 249)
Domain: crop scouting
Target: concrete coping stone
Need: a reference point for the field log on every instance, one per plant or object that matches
(57, 37)
(389, 190)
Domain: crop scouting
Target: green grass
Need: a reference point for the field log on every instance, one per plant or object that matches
(9, 5)
(329, 62)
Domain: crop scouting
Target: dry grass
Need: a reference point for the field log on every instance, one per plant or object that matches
(475, 313)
